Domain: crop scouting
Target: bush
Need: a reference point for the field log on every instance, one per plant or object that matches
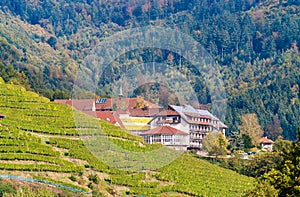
(72, 178)
(90, 185)
(94, 178)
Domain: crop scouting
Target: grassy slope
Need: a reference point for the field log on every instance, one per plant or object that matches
(38, 139)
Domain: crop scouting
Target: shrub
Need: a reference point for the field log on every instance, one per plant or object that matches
(90, 185)
(94, 178)
(72, 178)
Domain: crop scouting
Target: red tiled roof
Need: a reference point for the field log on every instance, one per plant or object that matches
(81, 105)
(86, 105)
(164, 130)
(143, 113)
(102, 115)
(121, 111)
(165, 121)
(111, 117)
(197, 115)
(265, 140)
(168, 113)
(122, 103)
(118, 120)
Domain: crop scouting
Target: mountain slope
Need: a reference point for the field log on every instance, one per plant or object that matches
(254, 43)
(38, 139)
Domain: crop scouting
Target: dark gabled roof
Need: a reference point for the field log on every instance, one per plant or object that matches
(167, 112)
(188, 110)
(164, 130)
(197, 115)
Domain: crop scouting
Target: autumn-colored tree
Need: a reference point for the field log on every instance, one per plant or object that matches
(282, 145)
(215, 144)
(251, 127)
(274, 130)
(140, 103)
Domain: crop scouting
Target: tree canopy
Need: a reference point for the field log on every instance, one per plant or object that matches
(284, 179)
(250, 126)
(215, 143)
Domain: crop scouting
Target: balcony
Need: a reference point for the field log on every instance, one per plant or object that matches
(196, 139)
(163, 122)
(200, 131)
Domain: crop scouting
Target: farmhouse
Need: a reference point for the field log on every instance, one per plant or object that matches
(167, 136)
(266, 143)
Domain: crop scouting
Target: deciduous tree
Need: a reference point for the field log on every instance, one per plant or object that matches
(251, 127)
(274, 130)
(215, 144)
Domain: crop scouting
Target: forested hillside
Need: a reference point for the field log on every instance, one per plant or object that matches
(255, 44)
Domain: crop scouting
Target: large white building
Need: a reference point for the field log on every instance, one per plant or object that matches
(196, 122)
(168, 136)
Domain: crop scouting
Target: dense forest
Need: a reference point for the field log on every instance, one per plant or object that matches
(255, 44)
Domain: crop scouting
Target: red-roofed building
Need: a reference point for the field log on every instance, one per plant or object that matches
(115, 110)
(113, 104)
(81, 104)
(167, 136)
(196, 122)
(164, 118)
(105, 115)
(266, 143)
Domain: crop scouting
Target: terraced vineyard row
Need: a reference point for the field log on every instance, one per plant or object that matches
(77, 150)
(16, 145)
(198, 177)
(24, 110)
